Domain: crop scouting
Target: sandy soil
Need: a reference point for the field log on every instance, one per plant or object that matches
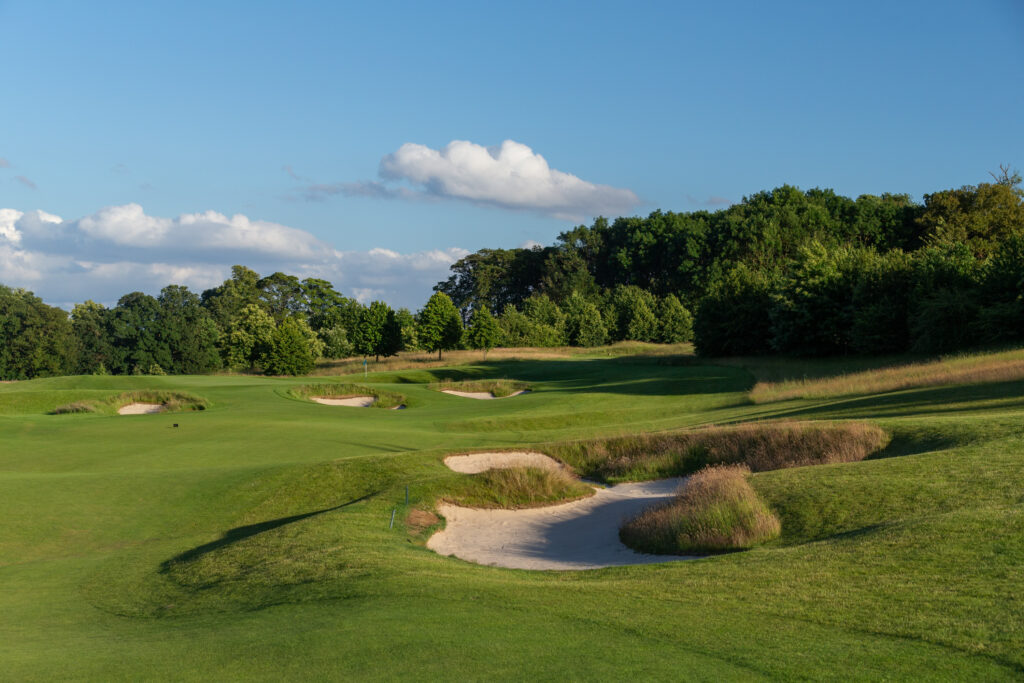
(481, 462)
(485, 395)
(583, 534)
(140, 409)
(352, 401)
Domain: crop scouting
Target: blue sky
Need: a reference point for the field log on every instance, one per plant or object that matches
(127, 123)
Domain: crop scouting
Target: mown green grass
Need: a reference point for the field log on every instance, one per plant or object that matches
(253, 541)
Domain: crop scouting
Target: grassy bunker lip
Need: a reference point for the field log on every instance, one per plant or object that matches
(168, 402)
(339, 392)
(482, 388)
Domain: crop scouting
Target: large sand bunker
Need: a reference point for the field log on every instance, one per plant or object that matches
(583, 534)
(351, 401)
(140, 409)
(485, 395)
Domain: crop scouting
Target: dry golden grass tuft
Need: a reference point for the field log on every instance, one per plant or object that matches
(715, 511)
(968, 369)
(760, 446)
(519, 487)
(172, 401)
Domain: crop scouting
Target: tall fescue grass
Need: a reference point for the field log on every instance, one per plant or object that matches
(759, 446)
(966, 369)
(172, 401)
(499, 388)
(383, 399)
(417, 360)
(518, 487)
(715, 511)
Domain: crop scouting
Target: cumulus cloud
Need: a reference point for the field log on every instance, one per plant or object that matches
(120, 249)
(509, 176)
(25, 181)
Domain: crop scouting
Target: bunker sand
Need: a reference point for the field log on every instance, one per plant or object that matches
(140, 409)
(351, 401)
(483, 395)
(582, 534)
(475, 463)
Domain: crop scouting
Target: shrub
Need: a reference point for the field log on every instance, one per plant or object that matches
(715, 511)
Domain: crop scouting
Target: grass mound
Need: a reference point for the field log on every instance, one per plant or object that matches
(384, 399)
(760, 446)
(499, 388)
(519, 487)
(716, 511)
(1004, 366)
(172, 401)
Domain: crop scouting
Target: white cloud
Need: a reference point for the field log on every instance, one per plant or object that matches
(120, 249)
(509, 176)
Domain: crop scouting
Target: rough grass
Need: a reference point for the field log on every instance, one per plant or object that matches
(759, 446)
(715, 511)
(384, 399)
(499, 388)
(963, 369)
(172, 401)
(518, 487)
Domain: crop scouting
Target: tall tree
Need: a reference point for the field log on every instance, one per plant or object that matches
(188, 332)
(90, 323)
(483, 332)
(675, 323)
(289, 352)
(440, 324)
(36, 340)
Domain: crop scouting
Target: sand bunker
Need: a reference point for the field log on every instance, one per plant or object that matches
(352, 401)
(140, 409)
(475, 463)
(486, 395)
(583, 534)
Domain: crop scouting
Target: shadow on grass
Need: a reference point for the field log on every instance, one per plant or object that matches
(915, 402)
(241, 533)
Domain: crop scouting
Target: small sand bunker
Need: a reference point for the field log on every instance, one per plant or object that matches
(351, 401)
(583, 534)
(474, 463)
(484, 395)
(140, 409)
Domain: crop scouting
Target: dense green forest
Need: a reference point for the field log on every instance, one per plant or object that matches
(783, 271)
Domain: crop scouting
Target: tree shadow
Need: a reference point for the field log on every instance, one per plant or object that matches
(241, 533)
(916, 402)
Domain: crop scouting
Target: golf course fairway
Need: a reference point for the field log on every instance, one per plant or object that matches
(267, 537)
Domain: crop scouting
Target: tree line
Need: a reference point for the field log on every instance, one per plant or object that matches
(783, 271)
(275, 324)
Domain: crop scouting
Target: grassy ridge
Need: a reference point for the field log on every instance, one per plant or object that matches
(172, 401)
(383, 399)
(761, 447)
(964, 369)
(518, 487)
(499, 388)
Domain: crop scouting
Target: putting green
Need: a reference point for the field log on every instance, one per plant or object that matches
(255, 539)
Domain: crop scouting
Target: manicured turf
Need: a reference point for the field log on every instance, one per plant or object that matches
(252, 541)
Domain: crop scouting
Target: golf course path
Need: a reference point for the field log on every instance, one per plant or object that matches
(583, 534)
